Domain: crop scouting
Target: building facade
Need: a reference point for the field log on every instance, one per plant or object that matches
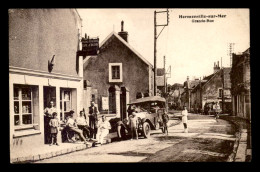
(117, 74)
(211, 89)
(240, 85)
(43, 67)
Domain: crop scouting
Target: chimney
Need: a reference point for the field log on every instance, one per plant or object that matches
(123, 34)
(216, 67)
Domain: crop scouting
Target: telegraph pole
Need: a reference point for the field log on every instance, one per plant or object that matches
(165, 88)
(155, 39)
(155, 67)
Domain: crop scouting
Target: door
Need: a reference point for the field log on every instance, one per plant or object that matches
(123, 103)
(49, 94)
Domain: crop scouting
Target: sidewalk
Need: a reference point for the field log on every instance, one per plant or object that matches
(46, 151)
(242, 148)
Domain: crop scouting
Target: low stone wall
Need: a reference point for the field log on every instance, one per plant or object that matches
(242, 146)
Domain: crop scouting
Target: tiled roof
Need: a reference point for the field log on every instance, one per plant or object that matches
(127, 44)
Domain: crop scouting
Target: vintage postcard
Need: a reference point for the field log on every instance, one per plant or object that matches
(129, 85)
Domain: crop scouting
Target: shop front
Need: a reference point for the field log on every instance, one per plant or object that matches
(30, 93)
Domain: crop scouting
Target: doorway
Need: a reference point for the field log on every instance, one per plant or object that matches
(49, 94)
(123, 103)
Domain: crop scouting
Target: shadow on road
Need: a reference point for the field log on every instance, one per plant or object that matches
(132, 153)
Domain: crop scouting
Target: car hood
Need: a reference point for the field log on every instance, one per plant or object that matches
(141, 114)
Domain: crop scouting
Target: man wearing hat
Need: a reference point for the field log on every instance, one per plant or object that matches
(93, 119)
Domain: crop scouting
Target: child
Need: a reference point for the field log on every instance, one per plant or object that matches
(133, 125)
(54, 123)
(165, 119)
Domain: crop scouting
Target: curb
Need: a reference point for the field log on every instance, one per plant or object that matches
(239, 152)
(34, 158)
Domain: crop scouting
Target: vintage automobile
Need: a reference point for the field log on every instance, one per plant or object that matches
(149, 113)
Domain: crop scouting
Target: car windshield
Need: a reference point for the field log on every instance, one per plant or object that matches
(151, 107)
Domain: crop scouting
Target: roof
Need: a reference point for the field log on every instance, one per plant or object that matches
(148, 99)
(127, 45)
(226, 71)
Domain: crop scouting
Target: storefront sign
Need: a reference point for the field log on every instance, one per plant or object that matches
(104, 103)
(90, 45)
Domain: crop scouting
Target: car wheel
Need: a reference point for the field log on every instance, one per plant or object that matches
(146, 130)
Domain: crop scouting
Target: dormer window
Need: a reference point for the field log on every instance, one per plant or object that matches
(115, 72)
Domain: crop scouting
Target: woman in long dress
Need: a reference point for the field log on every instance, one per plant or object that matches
(184, 114)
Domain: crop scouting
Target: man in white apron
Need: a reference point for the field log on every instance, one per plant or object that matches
(184, 114)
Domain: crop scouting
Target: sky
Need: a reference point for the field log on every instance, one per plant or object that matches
(190, 48)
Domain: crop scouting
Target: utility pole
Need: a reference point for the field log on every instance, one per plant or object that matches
(155, 39)
(165, 88)
(155, 67)
(230, 51)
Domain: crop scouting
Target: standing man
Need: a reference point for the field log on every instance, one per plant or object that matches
(48, 115)
(93, 119)
(184, 114)
(217, 111)
(133, 125)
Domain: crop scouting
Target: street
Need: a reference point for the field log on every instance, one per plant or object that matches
(207, 141)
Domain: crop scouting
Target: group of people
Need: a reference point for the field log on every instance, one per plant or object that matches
(131, 126)
(94, 129)
(87, 130)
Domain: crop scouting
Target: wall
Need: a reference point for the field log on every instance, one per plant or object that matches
(210, 89)
(135, 71)
(35, 35)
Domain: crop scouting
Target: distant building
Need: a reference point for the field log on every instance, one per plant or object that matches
(174, 100)
(188, 86)
(240, 84)
(116, 75)
(160, 81)
(211, 89)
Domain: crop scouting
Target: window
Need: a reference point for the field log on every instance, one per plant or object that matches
(220, 93)
(115, 72)
(93, 98)
(23, 105)
(65, 103)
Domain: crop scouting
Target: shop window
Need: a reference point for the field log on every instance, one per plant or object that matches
(115, 72)
(65, 103)
(25, 99)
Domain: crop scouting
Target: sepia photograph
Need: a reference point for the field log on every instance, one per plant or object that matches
(129, 85)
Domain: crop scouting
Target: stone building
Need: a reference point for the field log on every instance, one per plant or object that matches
(188, 86)
(213, 88)
(43, 45)
(116, 75)
(240, 85)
